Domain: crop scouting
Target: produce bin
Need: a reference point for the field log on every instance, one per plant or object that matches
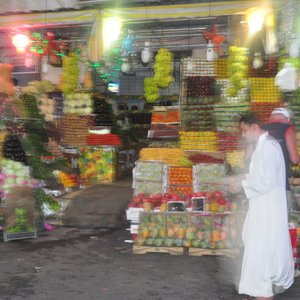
(97, 164)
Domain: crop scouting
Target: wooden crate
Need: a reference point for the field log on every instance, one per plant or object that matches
(226, 252)
(149, 249)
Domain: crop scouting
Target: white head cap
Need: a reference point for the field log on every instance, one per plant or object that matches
(283, 111)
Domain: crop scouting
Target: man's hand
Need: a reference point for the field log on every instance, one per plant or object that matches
(235, 187)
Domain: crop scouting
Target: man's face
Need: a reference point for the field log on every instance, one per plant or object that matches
(249, 132)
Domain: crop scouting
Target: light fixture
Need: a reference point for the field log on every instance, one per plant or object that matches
(111, 31)
(255, 19)
(147, 54)
(126, 66)
(20, 41)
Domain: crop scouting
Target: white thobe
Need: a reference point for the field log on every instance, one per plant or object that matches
(268, 257)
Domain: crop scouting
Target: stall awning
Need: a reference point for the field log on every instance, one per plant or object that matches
(181, 10)
(126, 14)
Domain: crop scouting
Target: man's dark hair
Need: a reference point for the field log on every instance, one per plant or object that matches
(249, 118)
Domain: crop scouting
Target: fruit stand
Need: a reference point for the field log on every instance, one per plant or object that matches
(212, 95)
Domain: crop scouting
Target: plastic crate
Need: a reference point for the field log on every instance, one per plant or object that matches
(19, 236)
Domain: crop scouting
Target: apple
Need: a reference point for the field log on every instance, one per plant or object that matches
(200, 194)
(221, 201)
(217, 195)
(136, 200)
(208, 195)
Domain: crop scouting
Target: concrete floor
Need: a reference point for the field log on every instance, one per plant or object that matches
(92, 262)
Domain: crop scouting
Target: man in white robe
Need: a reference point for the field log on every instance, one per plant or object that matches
(268, 259)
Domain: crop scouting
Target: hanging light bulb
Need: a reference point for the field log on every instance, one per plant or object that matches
(257, 61)
(147, 54)
(20, 41)
(126, 66)
(189, 65)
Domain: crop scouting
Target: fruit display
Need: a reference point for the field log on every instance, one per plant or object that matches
(214, 231)
(269, 68)
(197, 158)
(237, 67)
(150, 201)
(241, 95)
(102, 110)
(58, 99)
(149, 171)
(200, 86)
(168, 116)
(229, 141)
(140, 118)
(151, 90)
(205, 141)
(22, 223)
(169, 156)
(108, 139)
(12, 148)
(78, 103)
(180, 189)
(182, 229)
(197, 117)
(27, 106)
(74, 130)
(163, 68)
(235, 159)
(221, 68)
(226, 114)
(38, 87)
(264, 90)
(152, 231)
(163, 130)
(264, 109)
(197, 67)
(67, 180)
(209, 172)
(13, 174)
(47, 108)
(147, 187)
(97, 164)
(180, 175)
(208, 177)
(70, 74)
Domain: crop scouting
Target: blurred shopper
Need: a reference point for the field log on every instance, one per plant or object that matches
(268, 266)
(280, 127)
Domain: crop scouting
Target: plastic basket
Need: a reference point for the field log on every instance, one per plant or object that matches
(19, 236)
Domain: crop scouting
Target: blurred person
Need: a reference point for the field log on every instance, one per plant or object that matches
(268, 266)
